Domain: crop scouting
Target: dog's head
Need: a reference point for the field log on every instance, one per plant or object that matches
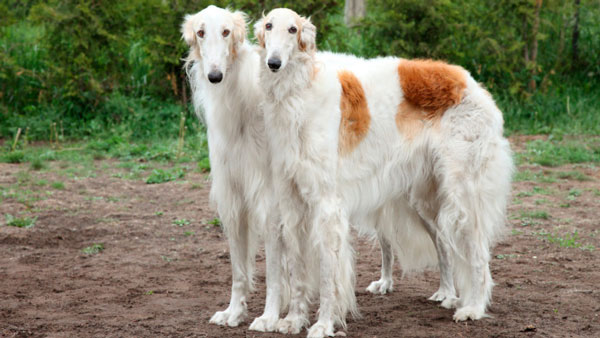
(214, 36)
(282, 33)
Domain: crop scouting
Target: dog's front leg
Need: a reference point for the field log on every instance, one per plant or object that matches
(298, 254)
(336, 269)
(238, 235)
(277, 284)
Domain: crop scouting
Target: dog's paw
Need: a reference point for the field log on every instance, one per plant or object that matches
(451, 302)
(469, 312)
(229, 317)
(291, 324)
(381, 286)
(442, 294)
(264, 323)
(321, 330)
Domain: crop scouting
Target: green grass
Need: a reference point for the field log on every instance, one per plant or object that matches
(528, 221)
(575, 192)
(569, 240)
(535, 191)
(93, 249)
(535, 214)
(19, 222)
(165, 175)
(58, 185)
(569, 107)
(204, 165)
(556, 151)
(545, 176)
(573, 175)
(181, 222)
(76, 158)
(539, 176)
(195, 186)
(215, 222)
(37, 164)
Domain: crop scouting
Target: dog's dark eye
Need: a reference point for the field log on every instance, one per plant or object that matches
(201, 33)
(293, 30)
(226, 33)
(269, 26)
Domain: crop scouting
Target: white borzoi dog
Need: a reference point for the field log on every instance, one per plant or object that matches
(383, 141)
(223, 73)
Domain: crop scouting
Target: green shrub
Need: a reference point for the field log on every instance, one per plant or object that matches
(204, 164)
(16, 156)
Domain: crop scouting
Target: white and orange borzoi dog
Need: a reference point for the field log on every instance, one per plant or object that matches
(223, 73)
(384, 135)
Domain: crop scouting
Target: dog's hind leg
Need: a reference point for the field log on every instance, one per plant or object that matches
(446, 292)
(386, 282)
(238, 235)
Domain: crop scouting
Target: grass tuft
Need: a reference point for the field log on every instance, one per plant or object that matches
(181, 222)
(165, 175)
(93, 249)
(536, 214)
(19, 222)
(37, 164)
(58, 185)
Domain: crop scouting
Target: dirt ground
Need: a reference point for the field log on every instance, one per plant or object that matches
(158, 279)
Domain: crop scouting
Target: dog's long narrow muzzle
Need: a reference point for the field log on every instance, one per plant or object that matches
(274, 64)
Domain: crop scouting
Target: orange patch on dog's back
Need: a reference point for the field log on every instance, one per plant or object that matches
(356, 118)
(432, 86)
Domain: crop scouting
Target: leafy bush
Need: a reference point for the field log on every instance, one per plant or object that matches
(16, 156)
(106, 69)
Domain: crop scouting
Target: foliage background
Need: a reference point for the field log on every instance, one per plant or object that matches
(106, 66)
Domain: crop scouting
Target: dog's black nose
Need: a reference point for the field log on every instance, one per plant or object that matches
(274, 64)
(215, 76)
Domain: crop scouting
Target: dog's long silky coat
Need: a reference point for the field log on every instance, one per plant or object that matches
(409, 150)
(223, 73)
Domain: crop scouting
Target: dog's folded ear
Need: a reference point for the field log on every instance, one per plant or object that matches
(239, 26)
(259, 32)
(307, 39)
(187, 30)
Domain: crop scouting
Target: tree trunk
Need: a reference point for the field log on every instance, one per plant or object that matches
(575, 41)
(534, 44)
(354, 10)
(184, 89)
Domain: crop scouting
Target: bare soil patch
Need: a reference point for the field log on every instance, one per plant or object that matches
(156, 278)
